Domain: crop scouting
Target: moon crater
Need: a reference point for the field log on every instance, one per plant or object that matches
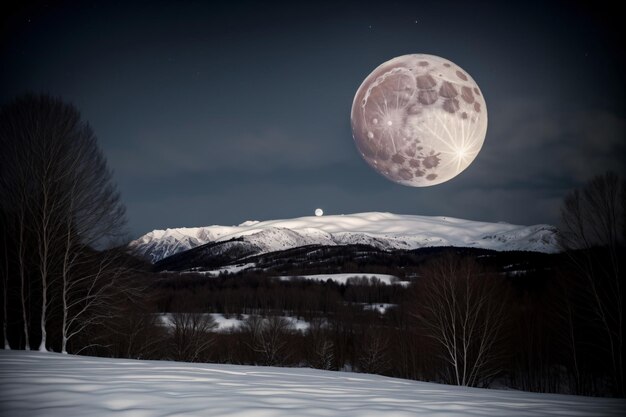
(419, 120)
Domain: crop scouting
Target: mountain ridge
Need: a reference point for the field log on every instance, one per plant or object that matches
(385, 231)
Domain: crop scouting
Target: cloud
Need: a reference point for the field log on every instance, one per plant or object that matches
(530, 147)
(155, 153)
(532, 157)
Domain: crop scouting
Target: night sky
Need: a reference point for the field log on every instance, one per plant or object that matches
(217, 114)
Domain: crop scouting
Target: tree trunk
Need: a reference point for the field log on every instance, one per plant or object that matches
(7, 346)
(5, 281)
(43, 259)
(22, 267)
(64, 323)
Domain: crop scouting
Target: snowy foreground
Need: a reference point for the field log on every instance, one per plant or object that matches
(50, 384)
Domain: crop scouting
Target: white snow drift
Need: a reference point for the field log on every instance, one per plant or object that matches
(53, 385)
(382, 230)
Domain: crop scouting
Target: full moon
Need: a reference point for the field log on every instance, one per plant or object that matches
(319, 212)
(419, 120)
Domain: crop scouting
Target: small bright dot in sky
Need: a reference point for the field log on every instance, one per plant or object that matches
(319, 212)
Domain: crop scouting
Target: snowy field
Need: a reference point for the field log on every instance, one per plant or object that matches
(343, 278)
(380, 307)
(225, 324)
(55, 385)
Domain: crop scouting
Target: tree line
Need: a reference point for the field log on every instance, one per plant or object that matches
(60, 216)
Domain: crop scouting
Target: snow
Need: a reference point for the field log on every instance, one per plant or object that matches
(225, 324)
(297, 323)
(54, 385)
(230, 269)
(380, 307)
(383, 230)
(249, 223)
(343, 278)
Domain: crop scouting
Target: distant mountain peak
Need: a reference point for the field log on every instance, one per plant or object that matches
(383, 230)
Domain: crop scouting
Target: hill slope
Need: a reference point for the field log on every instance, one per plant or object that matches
(51, 384)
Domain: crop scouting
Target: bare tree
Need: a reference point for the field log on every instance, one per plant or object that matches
(321, 349)
(66, 205)
(17, 194)
(5, 288)
(268, 337)
(21, 258)
(324, 354)
(191, 335)
(88, 291)
(137, 334)
(373, 357)
(132, 330)
(87, 275)
(593, 233)
(462, 308)
(47, 204)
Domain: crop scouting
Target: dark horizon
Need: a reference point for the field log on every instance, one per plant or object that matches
(220, 114)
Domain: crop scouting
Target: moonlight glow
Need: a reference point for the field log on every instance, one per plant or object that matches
(419, 120)
(319, 212)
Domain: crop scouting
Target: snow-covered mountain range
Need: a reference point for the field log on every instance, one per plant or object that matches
(384, 231)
